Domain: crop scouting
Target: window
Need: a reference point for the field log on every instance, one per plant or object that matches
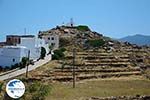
(16, 40)
(48, 38)
(9, 39)
(19, 41)
(52, 44)
(46, 42)
(13, 60)
(52, 38)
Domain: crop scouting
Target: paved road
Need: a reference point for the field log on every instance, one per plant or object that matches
(22, 71)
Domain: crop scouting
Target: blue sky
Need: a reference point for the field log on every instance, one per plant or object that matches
(113, 18)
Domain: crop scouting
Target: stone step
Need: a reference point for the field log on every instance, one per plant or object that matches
(104, 64)
(96, 70)
(104, 57)
(91, 76)
(107, 61)
(62, 74)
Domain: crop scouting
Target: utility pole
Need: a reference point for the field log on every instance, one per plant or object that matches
(27, 64)
(73, 72)
(73, 62)
(25, 31)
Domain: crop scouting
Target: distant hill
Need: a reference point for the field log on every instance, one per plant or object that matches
(137, 39)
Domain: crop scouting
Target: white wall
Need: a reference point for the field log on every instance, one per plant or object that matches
(11, 55)
(34, 45)
(7, 54)
(41, 43)
(49, 41)
(31, 44)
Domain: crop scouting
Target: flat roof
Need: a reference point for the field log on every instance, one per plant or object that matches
(15, 47)
(20, 35)
(2, 42)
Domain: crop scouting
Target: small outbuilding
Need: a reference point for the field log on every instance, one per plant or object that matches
(11, 55)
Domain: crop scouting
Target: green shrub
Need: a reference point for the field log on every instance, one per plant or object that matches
(59, 54)
(43, 53)
(95, 43)
(17, 65)
(24, 62)
(6, 68)
(39, 90)
(55, 57)
(63, 49)
(50, 48)
(1, 85)
(34, 87)
(83, 28)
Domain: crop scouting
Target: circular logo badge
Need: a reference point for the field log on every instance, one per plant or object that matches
(15, 88)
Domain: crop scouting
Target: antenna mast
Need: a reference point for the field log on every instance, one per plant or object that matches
(71, 22)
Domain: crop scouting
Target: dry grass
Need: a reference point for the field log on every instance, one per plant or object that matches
(132, 85)
(102, 88)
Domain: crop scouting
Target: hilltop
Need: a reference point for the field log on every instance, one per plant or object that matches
(67, 34)
(68, 31)
(84, 38)
(80, 35)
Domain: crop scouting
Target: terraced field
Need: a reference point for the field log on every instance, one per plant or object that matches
(98, 64)
(98, 74)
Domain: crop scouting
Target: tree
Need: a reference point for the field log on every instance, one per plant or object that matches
(24, 62)
(43, 53)
(50, 48)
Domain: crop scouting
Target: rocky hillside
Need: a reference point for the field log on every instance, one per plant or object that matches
(67, 31)
(83, 37)
(80, 34)
(97, 56)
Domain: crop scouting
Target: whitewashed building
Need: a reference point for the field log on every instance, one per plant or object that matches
(10, 55)
(30, 42)
(19, 46)
(51, 39)
(34, 44)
